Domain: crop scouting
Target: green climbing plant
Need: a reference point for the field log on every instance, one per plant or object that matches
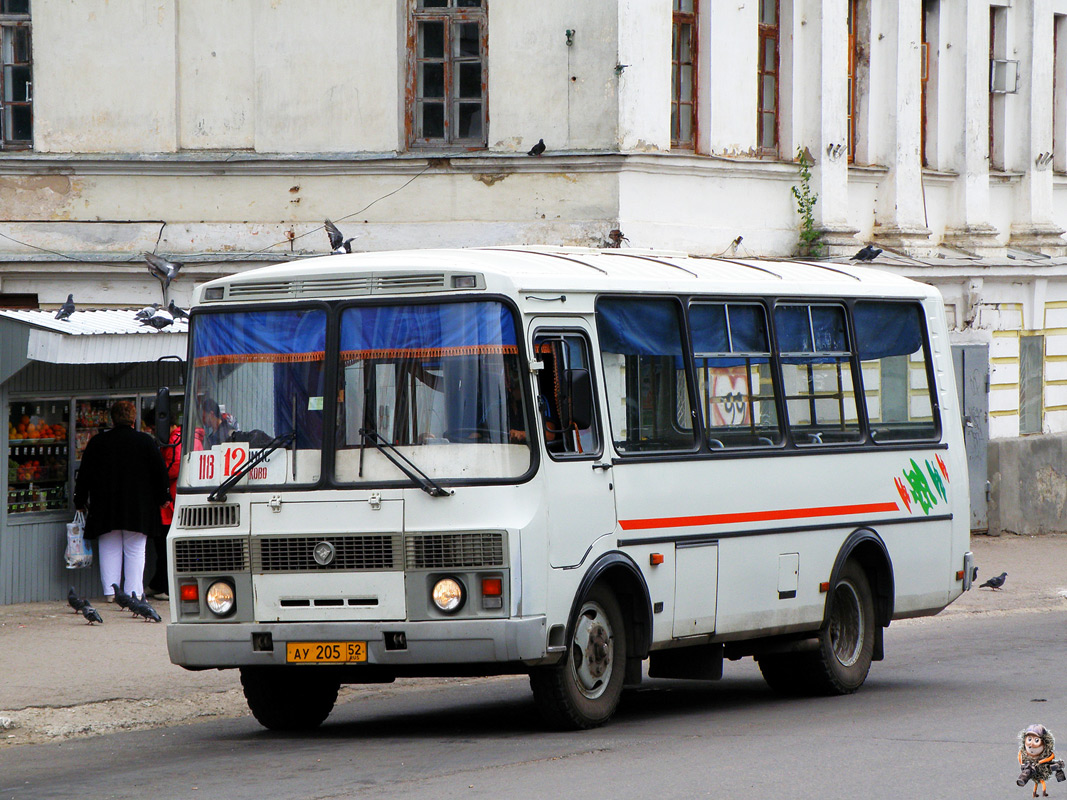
(810, 237)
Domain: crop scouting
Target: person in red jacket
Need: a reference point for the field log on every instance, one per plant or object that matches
(158, 587)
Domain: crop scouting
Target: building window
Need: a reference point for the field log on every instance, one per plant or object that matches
(767, 103)
(16, 77)
(1031, 383)
(683, 75)
(447, 80)
(1059, 102)
(998, 85)
(926, 54)
(853, 63)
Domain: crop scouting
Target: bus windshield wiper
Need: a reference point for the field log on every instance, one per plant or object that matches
(399, 460)
(220, 493)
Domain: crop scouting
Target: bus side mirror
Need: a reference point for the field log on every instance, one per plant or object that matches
(163, 415)
(579, 398)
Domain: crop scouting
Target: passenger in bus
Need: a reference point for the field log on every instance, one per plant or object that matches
(218, 428)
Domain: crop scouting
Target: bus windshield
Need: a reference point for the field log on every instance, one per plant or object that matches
(439, 382)
(258, 375)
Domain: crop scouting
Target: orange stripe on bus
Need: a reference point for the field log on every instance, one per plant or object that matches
(756, 516)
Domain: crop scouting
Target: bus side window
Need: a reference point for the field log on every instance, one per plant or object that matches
(894, 364)
(564, 395)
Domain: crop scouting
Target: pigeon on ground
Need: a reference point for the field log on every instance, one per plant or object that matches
(176, 311)
(147, 311)
(76, 602)
(995, 583)
(338, 243)
(141, 608)
(537, 149)
(66, 309)
(92, 614)
(164, 270)
(868, 253)
(122, 600)
(160, 320)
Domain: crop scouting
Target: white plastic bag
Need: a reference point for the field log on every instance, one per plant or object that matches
(79, 553)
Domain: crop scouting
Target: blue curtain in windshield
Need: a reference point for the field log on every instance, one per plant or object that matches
(271, 336)
(427, 331)
(887, 329)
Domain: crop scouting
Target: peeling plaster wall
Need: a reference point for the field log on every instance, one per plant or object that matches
(1028, 484)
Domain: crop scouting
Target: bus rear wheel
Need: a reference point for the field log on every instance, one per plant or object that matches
(842, 658)
(584, 689)
(288, 698)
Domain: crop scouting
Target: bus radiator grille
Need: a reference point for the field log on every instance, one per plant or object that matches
(454, 550)
(213, 516)
(352, 552)
(211, 555)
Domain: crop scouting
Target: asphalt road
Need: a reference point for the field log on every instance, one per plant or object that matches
(937, 719)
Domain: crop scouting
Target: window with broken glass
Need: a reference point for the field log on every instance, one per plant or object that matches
(447, 82)
(16, 76)
(683, 75)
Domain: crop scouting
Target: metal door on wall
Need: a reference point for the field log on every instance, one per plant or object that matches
(971, 364)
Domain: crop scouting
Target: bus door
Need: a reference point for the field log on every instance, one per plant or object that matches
(578, 492)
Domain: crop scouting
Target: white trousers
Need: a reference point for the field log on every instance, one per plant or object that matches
(117, 549)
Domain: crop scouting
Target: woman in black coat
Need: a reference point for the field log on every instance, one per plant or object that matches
(123, 482)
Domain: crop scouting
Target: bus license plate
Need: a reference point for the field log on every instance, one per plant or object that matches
(325, 652)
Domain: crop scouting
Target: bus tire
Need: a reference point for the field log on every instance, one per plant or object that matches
(288, 699)
(584, 689)
(840, 663)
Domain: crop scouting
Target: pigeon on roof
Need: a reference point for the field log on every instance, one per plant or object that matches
(868, 253)
(165, 271)
(66, 309)
(147, 311)
(176, 311)
(160, 320)
(338, 243)
(537, 149)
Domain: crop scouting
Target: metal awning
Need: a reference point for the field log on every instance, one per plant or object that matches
(86, 337)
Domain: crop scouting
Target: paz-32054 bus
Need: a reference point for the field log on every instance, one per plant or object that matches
(561, 462)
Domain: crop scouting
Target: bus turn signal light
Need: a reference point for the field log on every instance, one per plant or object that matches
(824, 587)
(189, 593)
(492, 587)
(655, 559)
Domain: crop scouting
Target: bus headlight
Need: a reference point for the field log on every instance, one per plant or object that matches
(220, 598)
(448, 595)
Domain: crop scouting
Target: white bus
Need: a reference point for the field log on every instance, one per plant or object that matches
(561, 462)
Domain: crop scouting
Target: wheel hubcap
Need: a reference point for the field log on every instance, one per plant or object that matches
(846, 624)
(592, 651)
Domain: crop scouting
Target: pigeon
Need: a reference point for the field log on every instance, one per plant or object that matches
(338, 243)
(176, 311)
(141, 608)
(164, 270)
(160, 320)
(66, 309)
(76, 602)
(122, 600)
(147, 311)
(868, 253)
(92, 614)
(995, 583)
(537, 149)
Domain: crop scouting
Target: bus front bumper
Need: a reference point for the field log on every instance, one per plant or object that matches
(440, 642)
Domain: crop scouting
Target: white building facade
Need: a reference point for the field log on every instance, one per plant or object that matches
(222, 133)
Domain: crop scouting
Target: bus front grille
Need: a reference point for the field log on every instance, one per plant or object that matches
(211, 555)
(351, 552)
(454, 550)
(213, 516)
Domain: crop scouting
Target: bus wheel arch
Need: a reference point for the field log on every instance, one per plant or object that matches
(868, 550)
(607, 637)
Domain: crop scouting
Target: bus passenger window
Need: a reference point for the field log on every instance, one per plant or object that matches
(820, 391)
(564, 395)
(649, 398)
(894, 368)
(732, 356)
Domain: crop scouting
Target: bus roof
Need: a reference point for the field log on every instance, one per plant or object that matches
(556, 269)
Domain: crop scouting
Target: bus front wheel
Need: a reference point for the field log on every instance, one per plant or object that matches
(584, 689)
(287, 698)
(842, 658)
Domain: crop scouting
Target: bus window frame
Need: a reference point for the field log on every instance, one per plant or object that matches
(598, 426)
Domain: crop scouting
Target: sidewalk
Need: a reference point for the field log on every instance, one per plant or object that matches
(63, 677)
